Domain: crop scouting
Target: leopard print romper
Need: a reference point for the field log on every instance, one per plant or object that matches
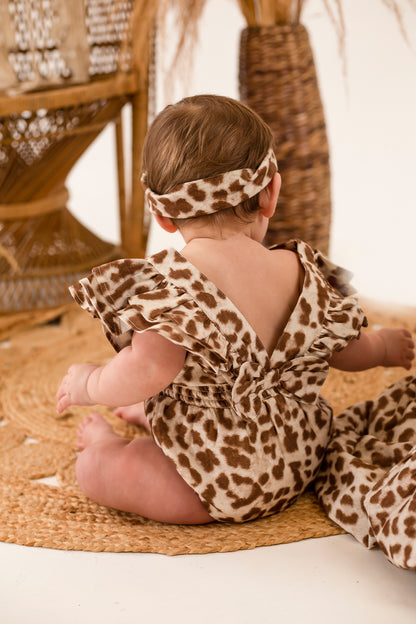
(247, 431)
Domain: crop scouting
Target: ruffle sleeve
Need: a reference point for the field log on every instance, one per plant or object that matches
(130, 295)
(337, 277)
(344, 317)
(327, 315)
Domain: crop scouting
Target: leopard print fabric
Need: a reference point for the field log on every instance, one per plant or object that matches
(209, 195)
(247, 431)
(367, 483)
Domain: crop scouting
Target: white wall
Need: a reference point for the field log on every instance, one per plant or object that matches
(371, 127)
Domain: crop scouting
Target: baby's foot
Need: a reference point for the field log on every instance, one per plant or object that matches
(399, 346)
(133, 414)
(93, 429)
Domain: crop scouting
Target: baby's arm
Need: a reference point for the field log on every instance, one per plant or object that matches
(386, 347)
(136, 373)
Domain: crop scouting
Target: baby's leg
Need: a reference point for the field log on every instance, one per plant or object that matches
(133, 476)
(133, 414)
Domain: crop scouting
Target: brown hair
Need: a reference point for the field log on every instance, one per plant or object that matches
(200, 137)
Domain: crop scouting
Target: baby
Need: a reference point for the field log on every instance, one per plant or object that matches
(227, 343)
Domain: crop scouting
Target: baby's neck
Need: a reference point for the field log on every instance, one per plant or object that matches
(191, 232)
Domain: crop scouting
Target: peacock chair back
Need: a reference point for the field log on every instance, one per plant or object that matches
(66, 72)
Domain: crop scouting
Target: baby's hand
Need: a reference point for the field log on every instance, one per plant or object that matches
(399, 347)
(73, 388)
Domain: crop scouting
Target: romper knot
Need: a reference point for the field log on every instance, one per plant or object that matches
(254, 383)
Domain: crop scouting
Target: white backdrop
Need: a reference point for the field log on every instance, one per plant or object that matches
(371, 124)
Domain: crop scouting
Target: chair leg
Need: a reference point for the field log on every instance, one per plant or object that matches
(135, 220)
(121, 178)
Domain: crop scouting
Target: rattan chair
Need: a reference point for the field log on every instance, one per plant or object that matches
(64, 74)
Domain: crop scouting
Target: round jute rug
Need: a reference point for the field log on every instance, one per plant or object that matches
(40, 502)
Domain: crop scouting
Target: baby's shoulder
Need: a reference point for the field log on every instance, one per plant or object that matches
(286, 264)
(285, 256)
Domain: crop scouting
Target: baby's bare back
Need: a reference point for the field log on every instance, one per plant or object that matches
(264, 285)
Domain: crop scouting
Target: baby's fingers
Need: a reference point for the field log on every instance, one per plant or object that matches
(409, 354)
(410, 340)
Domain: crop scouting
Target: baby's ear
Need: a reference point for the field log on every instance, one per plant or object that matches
(166, 224)
(269, 195)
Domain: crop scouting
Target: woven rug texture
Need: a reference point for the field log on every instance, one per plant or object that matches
(40, 502)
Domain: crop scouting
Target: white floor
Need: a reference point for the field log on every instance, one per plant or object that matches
(324, 580)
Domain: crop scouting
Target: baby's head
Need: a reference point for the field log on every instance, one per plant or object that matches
(198, 140)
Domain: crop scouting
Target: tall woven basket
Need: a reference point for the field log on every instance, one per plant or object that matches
(65, 73)
(278, 80)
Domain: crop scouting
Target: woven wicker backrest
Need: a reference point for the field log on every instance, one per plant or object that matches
(65, 73)
(44, 43)
(107, 24)
(48, 43)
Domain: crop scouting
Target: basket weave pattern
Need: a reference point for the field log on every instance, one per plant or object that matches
(278, 80)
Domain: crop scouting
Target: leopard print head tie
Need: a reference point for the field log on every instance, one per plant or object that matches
(209, 195)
